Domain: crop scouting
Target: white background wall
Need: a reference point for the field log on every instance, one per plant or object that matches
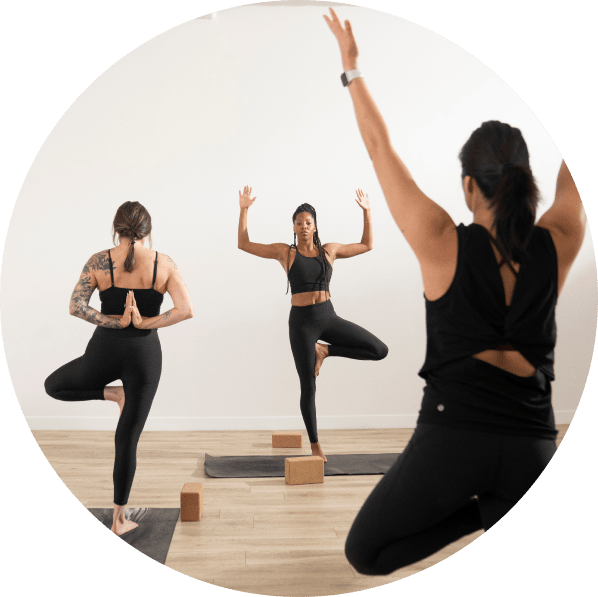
(253, 97)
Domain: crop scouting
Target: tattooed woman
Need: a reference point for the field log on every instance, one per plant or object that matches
(308, 264)
(125, 344)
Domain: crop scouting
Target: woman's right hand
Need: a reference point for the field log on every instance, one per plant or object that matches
(345, 39)
(125, 320)
(245, 200)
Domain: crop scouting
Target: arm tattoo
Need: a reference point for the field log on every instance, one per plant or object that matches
(159, 319)
(171, 261)
(99, 262)
(79, 305)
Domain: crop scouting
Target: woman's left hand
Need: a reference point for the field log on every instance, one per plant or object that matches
(362, 200)
(136, 318)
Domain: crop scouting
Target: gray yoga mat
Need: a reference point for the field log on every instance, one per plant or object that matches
(273, 466)
(154, 533)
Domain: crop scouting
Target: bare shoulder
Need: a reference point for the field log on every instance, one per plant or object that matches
(167, 269)
(98, 263)
(567, 242)
(282, 250)
(167, 262)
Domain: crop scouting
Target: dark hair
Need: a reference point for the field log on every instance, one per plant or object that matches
(306, 207)
(131, 221)
(496, 157)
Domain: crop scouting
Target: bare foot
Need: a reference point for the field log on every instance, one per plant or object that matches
(120, 527)
(115, 394)
(316, 450)
(321, 354)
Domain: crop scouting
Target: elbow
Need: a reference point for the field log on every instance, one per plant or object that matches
(188, 313)
(73, 310)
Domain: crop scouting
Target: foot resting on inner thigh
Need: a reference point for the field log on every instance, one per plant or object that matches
(115, 394)
(321, 354)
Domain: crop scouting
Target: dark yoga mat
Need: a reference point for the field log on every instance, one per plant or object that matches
(154, 533)
(273, 466)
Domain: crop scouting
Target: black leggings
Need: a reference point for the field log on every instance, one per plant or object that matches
(316, 322)
(133, 356)
(447, 483)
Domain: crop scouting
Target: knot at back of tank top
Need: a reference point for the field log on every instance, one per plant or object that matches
(307, 274)
(148, 300)
(472, 316)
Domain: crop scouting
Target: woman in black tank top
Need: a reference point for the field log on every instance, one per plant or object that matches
(308, 265)
(486, 426)
(125, 344)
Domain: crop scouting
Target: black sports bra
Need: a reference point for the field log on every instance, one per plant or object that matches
(307, 273)
(148, 300)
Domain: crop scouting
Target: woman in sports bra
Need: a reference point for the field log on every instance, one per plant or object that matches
(486, 429)
(308, 265)
(132, 281)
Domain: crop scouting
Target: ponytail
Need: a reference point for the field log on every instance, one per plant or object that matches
(496, 157)
(514, 203)
(130, 260)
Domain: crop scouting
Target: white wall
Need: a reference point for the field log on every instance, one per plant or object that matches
(186, 120)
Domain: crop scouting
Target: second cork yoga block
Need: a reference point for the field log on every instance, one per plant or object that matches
(303, 470)
(191, 502)
(287, 439)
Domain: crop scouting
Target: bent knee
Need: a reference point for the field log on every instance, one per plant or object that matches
(380, 351)
(357, 559)
(51, 387)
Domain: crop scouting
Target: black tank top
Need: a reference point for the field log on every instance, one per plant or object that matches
(472, 316)
(148, 300)
(307, 273)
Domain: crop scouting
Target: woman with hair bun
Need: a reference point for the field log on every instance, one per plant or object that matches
(486, 429)
(131, 280)
(308, 265)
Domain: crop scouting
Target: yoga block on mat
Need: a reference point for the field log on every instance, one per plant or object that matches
(303, 470)
(191, 502)
(287, 439)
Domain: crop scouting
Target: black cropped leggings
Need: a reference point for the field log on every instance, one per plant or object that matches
(133, 356)
(316, 322)
(447, 483)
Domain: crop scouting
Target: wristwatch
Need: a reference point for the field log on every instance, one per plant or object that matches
(349, 75)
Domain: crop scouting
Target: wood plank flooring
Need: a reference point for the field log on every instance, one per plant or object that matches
(256, 535)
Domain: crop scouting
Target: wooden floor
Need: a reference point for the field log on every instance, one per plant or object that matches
(256, 535)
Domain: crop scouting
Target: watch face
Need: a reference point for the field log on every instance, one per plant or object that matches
(344, 79)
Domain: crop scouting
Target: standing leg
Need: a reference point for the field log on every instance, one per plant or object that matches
(141, 375)
(303, 336)
(138, 403)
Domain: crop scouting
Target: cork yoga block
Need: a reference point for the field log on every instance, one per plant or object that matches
(303, 470)
(191, 502)
(287, 439)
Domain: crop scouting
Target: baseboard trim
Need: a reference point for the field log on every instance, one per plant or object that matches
(242, 423)
(224, 423)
